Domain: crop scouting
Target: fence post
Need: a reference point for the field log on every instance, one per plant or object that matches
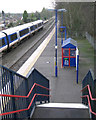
(48, 93)
(12, 92)
(27, 100)
(94, 102)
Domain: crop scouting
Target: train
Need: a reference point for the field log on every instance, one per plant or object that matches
(13, 35)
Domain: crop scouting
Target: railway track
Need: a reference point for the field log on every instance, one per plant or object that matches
(16, 64)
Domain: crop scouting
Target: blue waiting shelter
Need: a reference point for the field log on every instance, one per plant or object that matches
(69, 52)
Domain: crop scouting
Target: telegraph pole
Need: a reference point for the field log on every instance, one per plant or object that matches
(3, 17)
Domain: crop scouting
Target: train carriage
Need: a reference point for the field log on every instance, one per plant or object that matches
(38, 25)
(3, 42)
(13, 35)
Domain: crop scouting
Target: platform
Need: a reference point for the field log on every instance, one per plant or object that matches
(65, 92)
(64, 87)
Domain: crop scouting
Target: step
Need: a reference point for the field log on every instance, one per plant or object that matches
(64, 105)
(61, 110)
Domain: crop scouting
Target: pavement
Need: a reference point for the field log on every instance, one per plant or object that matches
(63, 88)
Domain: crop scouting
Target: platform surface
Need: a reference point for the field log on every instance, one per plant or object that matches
(64, 87)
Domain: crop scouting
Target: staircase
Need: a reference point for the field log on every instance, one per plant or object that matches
(17, 104)
(61, 110)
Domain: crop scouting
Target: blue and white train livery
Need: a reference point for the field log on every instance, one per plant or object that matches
(13, 35)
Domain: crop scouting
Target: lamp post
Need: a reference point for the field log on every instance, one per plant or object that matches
(56, 66)
(77, 64)
(62, 27)
(62, 10)
(62, 30)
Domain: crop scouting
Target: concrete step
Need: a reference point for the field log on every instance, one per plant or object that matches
(61, 110)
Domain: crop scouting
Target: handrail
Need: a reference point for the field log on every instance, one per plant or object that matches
(19, 96)
(89, 92)
(17, 111)
(89, 104)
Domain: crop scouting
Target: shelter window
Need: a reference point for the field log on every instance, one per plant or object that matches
(72, 52)
(66, 52)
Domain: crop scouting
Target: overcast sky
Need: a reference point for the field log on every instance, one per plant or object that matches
(18, 6)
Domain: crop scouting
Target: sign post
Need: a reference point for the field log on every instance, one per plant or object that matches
(56, 66)
(62, 30)
(77, 65)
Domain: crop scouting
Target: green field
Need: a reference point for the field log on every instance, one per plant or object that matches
(86, 60)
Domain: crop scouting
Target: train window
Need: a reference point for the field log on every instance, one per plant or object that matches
(13, 37)
(32, 28)
(35, 26)
(2, 42)
(39, 24)
(23, 32)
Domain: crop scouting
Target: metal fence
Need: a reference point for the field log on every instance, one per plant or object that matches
(90, 39)
(88, 80)
(11, 83)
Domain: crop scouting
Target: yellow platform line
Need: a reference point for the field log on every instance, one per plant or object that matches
(27, 66)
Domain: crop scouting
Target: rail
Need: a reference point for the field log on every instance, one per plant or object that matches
(89, 103)
(18, 96)
(89, 93)
(87, 96)
(18, 91)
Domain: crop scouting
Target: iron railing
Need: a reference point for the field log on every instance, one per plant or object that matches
(89, 93)
(19, 94)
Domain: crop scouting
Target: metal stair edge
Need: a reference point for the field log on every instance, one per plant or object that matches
(63, 105)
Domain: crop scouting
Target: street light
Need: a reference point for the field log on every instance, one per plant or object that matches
(56, 10)
(62, 27)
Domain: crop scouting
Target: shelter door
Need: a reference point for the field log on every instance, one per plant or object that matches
(72, 58)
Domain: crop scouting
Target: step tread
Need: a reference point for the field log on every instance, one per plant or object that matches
(61, 110)
(64, 105)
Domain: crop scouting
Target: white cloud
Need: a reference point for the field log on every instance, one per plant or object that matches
(20, 5)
